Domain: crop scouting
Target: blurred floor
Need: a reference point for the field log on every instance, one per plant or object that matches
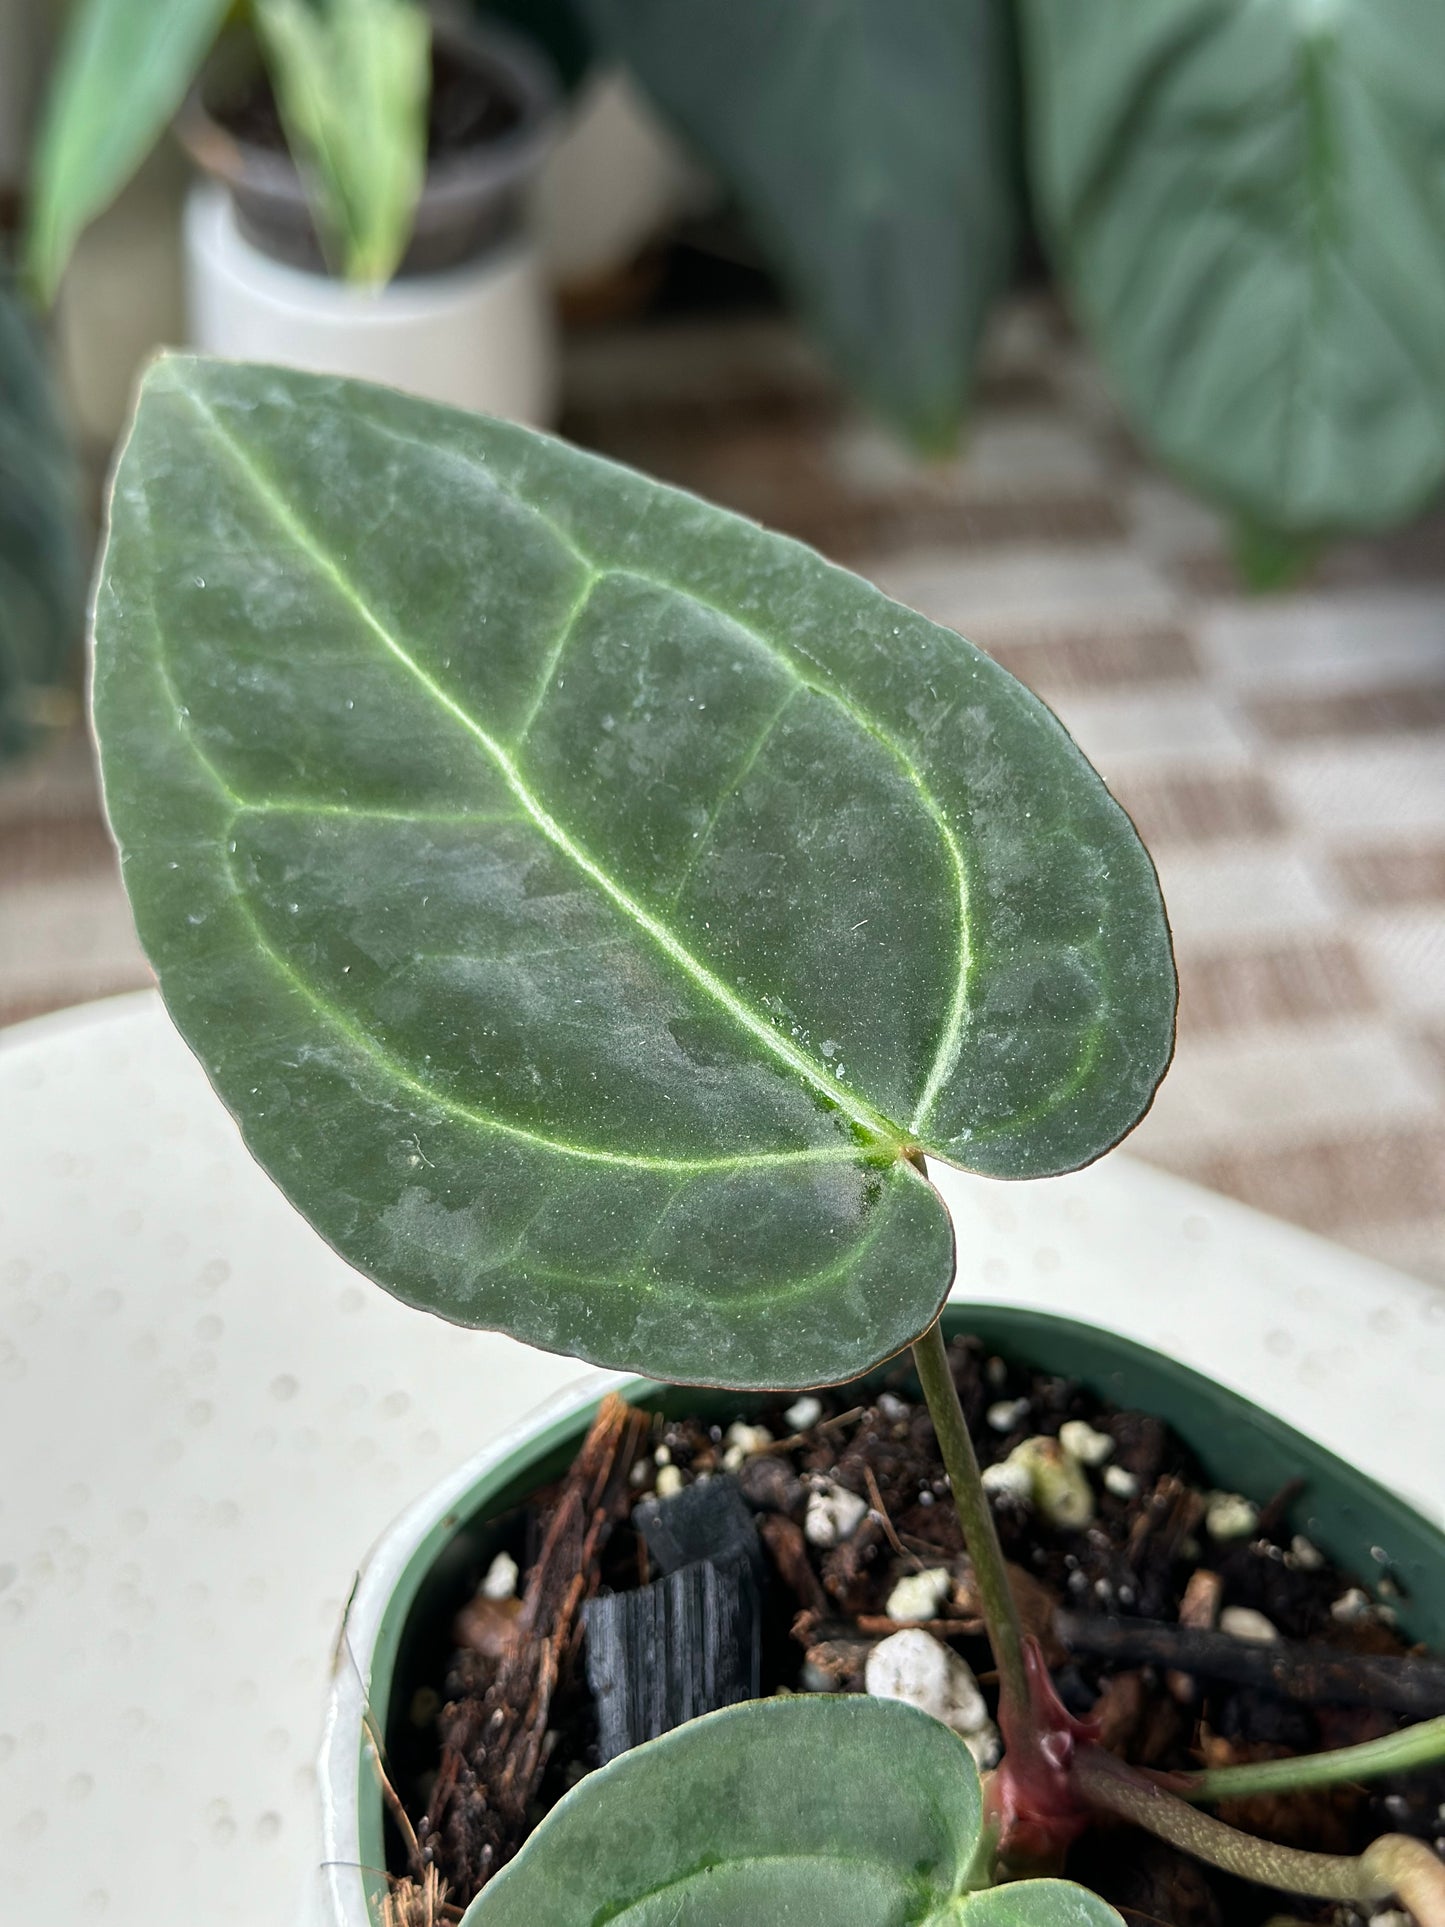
(1284, 756)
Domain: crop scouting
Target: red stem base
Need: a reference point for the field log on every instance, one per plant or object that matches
(1031, 1802)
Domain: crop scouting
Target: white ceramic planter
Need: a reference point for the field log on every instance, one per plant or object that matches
(1248, 1291)
(479, 337)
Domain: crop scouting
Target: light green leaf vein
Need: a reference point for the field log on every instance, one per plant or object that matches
(368, 1046)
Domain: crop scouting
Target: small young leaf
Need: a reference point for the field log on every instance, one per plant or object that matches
(587, 902)
(852, 1811)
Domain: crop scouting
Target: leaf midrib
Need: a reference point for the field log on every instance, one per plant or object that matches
(798, 1061)
(950, 1041)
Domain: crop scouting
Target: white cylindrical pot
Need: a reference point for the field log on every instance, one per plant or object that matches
(480, 336)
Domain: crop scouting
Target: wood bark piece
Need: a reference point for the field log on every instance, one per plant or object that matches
(494, 1741)
(1199, 1611)
(783, 1538)
(1310, 1674)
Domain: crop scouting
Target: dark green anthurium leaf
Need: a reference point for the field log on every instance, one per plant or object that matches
(875, 151)
(1247, 201)
(588, 903)
(847, 1812)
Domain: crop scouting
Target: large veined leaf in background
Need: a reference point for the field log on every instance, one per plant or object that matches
(352, 82)
(587, 902)
(1248, 201)
(123, 70)
(558, 27)
(856, 1812)
(42, 576)
(873, 149)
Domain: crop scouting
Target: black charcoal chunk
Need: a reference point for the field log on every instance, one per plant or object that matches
(685, 1645)
(707, 1520)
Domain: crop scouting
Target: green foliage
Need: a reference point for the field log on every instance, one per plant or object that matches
(873, 148)
(42, 577)
(852, 1811)
(123, 70)
(586, 901)
(352, 80)
(558, 27)
(1247, 203)
(1267, 560)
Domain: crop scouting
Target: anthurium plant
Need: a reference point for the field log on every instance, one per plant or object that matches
(596, 913)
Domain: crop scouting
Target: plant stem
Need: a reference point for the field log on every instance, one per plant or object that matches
(1412, 1873)
(1415, 1746)
(980, 1535)
(1109, 1783)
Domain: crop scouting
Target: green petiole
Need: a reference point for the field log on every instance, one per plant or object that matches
(1414, 1746)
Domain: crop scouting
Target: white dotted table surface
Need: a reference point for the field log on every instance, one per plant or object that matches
(206, 1419)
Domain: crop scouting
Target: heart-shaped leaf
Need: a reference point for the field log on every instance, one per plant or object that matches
(1247, 201)
(875, 150)
(588, 903)
(853, 1812)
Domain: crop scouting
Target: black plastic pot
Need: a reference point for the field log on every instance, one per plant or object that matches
(474, 196)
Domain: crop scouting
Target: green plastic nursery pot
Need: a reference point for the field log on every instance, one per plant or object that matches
(1241, 1448)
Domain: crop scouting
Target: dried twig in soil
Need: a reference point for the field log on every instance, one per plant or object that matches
(423, 1903)
(880, 1625)
(1293, 1670)
(875, 1499)
(415, 1858)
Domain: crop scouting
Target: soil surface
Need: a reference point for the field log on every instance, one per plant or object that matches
(497, 1741)
(467, 110)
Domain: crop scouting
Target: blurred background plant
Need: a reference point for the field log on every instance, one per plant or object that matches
(1242, 202)
(41, 569)
(350, 79)
(351, 83)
